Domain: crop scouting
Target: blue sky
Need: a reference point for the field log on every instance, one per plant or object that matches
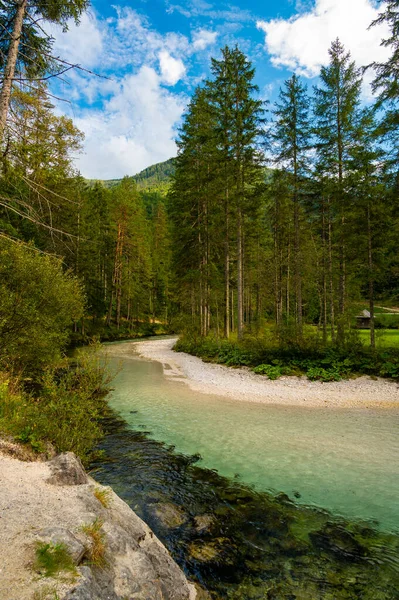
(153, 53)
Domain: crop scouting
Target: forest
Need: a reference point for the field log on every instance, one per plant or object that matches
(261, 243)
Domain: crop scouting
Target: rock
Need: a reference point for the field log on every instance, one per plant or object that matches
(341, 542)
(201, 593)
(203, 522)
(67, 469)
(88, 588)
(169, 515)
(60, 535)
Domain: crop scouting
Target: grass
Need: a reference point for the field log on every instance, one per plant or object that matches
(103, 495)
(94, 532)
(385, 338)
(51, 559)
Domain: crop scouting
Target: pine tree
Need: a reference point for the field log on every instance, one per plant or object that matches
(337, 119)
(24, 43)
(292, 137)
(386, 81)
(239, 118)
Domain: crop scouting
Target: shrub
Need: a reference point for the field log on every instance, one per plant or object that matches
(320, 374)
(66, 411)
(272, 371)
(38, 304)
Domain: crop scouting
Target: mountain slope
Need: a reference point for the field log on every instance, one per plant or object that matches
(155, 177)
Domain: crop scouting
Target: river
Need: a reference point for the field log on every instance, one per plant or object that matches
(338, 469)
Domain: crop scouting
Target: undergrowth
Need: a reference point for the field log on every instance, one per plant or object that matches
(63, 409)
(266, 356)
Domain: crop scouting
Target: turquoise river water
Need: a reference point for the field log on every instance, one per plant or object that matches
(255, 501)
(345, 461)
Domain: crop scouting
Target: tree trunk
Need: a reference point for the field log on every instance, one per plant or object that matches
(9, 71)
(227, 270)
(240, 308)
(371, 279)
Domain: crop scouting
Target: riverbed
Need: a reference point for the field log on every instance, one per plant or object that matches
(332, 465)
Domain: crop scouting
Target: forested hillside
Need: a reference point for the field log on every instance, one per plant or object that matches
(156, 177)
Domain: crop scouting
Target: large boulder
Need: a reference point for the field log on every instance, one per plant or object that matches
(67, 469)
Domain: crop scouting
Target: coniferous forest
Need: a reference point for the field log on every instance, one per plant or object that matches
(275, 226)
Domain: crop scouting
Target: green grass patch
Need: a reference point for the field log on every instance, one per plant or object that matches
(52, 559)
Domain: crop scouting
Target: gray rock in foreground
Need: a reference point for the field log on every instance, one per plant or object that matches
(135, 565)
(67, 470)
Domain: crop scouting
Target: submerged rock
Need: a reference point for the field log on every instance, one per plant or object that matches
(203, 522)
(67, 469)
(168, 514)
(341, 542)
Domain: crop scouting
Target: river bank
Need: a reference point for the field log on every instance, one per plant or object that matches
(242, 384)
(112, 554)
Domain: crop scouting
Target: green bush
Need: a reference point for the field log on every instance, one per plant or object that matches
(320, 374)
(38, 304)
(66, 412)
(272, 371)
(265, 355)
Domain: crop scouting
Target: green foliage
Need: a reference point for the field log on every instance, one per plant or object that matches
(267, 357)
(320, 374)
(52, 559)
(38, 304)
(66, 410)
(272, 371)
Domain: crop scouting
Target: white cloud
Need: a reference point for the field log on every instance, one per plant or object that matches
(203, 38)
(301, 43)
(81, 44)
(129, 120)
(135, 128)
(172, 69)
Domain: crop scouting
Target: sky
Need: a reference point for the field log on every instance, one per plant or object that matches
(151, 55)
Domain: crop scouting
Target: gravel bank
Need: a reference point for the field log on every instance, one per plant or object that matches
(243, 384)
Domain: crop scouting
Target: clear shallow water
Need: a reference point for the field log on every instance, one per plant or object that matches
(345, 461)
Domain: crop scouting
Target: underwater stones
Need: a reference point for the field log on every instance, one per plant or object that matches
(168, 514)
(210, 551)
(341, 542)
(203, 523)
(67, 469)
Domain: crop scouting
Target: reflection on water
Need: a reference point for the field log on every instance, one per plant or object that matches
(342, 460)
(238, 541)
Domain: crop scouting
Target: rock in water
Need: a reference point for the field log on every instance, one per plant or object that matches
(67, 469)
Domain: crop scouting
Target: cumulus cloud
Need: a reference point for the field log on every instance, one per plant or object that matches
(82, 43)
(301, 43)
(203, 38)
(129, 118)
(172, 69)
(134, 129)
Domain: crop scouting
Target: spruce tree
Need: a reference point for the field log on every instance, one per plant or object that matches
(337, 113)
(239, 118)
(292, 141)
(386, 81)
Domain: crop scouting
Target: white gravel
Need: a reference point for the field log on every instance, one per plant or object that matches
(243, 384)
